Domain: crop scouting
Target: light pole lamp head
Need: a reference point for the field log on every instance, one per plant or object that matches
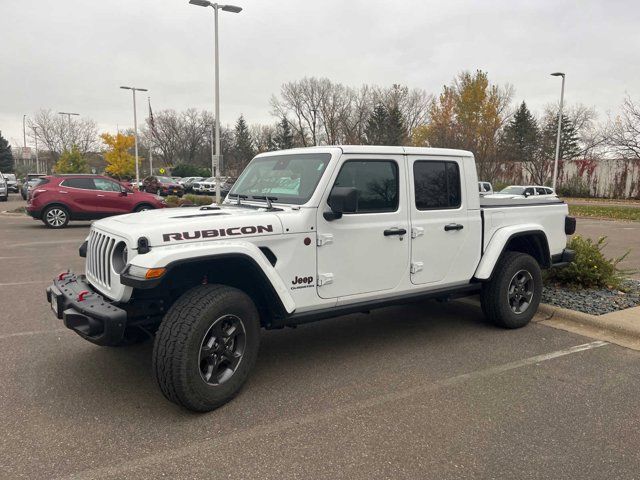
(201, 3)
(557, 74)
(231, 8)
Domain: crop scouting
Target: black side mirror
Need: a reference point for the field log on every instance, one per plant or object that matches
(342, 200)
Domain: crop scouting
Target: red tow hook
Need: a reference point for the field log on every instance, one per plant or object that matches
(82, 295)
(63, 275)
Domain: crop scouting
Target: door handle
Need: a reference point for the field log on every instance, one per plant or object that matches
(100, 195)
(395, 231)
(453, 226)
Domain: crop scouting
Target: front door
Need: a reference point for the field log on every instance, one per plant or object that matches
(366, 251)
(109, 198)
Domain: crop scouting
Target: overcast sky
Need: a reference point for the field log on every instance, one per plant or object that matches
(72, 55)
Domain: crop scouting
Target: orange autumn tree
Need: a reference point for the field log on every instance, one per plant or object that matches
(120, 163)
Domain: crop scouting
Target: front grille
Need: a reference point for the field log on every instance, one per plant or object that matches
(99, 250)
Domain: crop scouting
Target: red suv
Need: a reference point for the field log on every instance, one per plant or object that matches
(162, 186)
(60, 198)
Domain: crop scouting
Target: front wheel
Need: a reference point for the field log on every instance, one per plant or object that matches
(55, 217)
(511, 298)
(206, 346)
(143, 208)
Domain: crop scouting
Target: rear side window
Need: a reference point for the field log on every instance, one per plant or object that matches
(437, 185)
(376, 181)
(84, 183)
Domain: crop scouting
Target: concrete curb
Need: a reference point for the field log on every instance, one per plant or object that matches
(623, 322)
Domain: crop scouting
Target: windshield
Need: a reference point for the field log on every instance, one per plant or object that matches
(165, 180)
(513, 190)
(283, 178)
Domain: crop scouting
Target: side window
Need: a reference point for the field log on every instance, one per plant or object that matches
(541, 191)
(548, 191)
(437, 184)
(106, 185)
(84, 183)
(529, 191)
(376, 181)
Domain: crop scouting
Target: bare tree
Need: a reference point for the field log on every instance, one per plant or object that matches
(58, 133)
(180, 137)
(263, 137)
(623, 135)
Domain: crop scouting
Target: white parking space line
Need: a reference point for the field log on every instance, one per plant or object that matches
(34, 332)
(24, 283)
(53, 242)
(295, 423)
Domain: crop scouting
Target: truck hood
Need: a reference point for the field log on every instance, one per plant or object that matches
(177, 226)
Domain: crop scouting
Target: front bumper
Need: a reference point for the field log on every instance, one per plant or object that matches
(91, 316)
(36, 213)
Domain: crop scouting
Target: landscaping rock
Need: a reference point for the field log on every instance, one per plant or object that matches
(592, 300)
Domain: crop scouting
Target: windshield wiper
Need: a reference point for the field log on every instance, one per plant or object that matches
(239, 195)
(268, 199)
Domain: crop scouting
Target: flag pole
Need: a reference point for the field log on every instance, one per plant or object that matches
(151, 124)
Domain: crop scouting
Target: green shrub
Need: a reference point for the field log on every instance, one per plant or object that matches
(197, 200)
(590, 268)
(575, 187)
(187, 170)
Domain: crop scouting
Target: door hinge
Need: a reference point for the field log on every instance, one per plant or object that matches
(324, 239)
(325, 279)
(417, 232)
(416, 267)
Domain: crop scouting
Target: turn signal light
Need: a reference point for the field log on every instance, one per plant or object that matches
(154, 273)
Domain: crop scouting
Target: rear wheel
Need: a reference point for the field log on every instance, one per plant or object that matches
(206, 346)
(511, 298)
(55, 217)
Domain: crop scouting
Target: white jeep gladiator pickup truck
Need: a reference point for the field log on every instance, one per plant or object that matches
(303, 235)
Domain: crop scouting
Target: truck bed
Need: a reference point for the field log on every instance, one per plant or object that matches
(546, 213)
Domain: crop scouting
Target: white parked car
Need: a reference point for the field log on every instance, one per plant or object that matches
(303, 235)
(526, 191)
(206, 186)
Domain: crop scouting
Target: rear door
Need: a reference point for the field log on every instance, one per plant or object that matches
(444, 233)
(366, 251)
(80, 194)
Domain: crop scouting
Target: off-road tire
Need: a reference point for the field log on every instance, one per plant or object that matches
(495, 293)
(49, 222)
(178, 342)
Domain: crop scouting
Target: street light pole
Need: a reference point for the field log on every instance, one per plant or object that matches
(135, 128)
(24, 130)
(226, 8)
(35, 137)
(68, 114)
(555, 165)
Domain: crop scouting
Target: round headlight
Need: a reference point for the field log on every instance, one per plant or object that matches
(120, 257)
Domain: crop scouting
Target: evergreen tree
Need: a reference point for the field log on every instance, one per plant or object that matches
(6, 157)
(375, 131)
(569, 147)
(243, 150)
(521, 136)
(395, 131)
(283, 139)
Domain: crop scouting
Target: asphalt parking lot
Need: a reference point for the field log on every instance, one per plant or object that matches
(422, 391)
